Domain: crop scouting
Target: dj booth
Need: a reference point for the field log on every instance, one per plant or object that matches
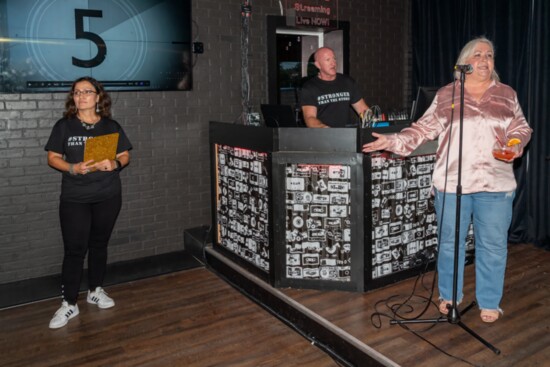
(305, 208)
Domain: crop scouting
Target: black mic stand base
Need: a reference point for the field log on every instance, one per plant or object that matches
(453, 317)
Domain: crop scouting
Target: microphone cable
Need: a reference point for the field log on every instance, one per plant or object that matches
(394, 308)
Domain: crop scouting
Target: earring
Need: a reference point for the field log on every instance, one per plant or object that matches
(97, 108)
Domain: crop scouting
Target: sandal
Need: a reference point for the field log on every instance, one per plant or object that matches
(443, 306)
(489, 315)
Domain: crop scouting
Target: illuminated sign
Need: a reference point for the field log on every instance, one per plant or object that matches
(313, 13)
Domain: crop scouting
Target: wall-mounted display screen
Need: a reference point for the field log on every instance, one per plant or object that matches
(125, 44)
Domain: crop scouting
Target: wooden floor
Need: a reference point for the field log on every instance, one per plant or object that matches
(188, 318)
(193, 318)
(522, 334)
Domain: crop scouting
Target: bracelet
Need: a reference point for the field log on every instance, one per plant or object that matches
(71, 169)
(118, 165)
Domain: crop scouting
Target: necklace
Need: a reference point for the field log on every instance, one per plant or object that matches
(88, 125)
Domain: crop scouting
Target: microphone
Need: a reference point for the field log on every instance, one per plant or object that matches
(466, 68)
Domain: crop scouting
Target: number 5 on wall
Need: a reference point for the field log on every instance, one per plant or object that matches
(79, 15)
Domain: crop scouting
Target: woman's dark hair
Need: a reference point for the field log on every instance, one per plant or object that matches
(103, 104)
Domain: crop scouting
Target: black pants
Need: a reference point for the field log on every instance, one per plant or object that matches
(86, 228)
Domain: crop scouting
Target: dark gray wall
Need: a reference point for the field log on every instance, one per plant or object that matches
(166, 189)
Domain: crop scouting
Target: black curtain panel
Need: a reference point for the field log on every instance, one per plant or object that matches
(538, 114)
(519, 30)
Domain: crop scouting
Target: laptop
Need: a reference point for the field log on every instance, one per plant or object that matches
(278, 115)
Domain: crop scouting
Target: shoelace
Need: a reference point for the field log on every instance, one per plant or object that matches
(101, 293)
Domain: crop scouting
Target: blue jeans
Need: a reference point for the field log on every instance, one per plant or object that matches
(491, 213)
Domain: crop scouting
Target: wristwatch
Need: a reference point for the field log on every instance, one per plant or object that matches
(118, 165)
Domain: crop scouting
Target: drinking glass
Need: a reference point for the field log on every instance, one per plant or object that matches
(503, 152)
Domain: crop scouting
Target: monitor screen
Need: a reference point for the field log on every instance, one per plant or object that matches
(424, 99)
(278, 115)
(125, 44)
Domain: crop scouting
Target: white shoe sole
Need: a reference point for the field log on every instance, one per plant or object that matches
(98, 305)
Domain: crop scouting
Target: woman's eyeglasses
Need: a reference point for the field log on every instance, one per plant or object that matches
(86, 92)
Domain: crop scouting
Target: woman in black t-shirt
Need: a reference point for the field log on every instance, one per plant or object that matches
(90, 193)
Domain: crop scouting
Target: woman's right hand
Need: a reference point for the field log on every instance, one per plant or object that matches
(381, 143)
(82, 167)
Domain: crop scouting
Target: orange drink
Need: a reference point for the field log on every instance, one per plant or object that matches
(504, 152)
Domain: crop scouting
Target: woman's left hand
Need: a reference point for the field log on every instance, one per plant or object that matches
(105, 165)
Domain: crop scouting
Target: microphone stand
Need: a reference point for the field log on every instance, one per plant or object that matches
(453, 316)
(296, 106)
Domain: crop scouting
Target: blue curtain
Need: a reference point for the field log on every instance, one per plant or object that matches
(519, 30)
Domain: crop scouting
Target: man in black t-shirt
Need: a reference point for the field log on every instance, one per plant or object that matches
(326, 98)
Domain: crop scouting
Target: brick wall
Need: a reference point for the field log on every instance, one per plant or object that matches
(166, 189)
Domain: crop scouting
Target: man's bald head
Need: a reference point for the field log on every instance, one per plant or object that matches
(325, 61)
(322, 52)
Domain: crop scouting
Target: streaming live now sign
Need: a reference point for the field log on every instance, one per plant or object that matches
(312, 13)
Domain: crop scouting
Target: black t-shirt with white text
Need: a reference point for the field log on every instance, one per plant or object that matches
(331, 98)
(68, 138)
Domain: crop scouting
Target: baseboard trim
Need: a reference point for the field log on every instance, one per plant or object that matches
(38, 289)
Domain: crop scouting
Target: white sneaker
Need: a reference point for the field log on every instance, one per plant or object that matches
(99, 297)
(63, 315)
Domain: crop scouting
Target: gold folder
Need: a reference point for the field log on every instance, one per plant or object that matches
(101, 147)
